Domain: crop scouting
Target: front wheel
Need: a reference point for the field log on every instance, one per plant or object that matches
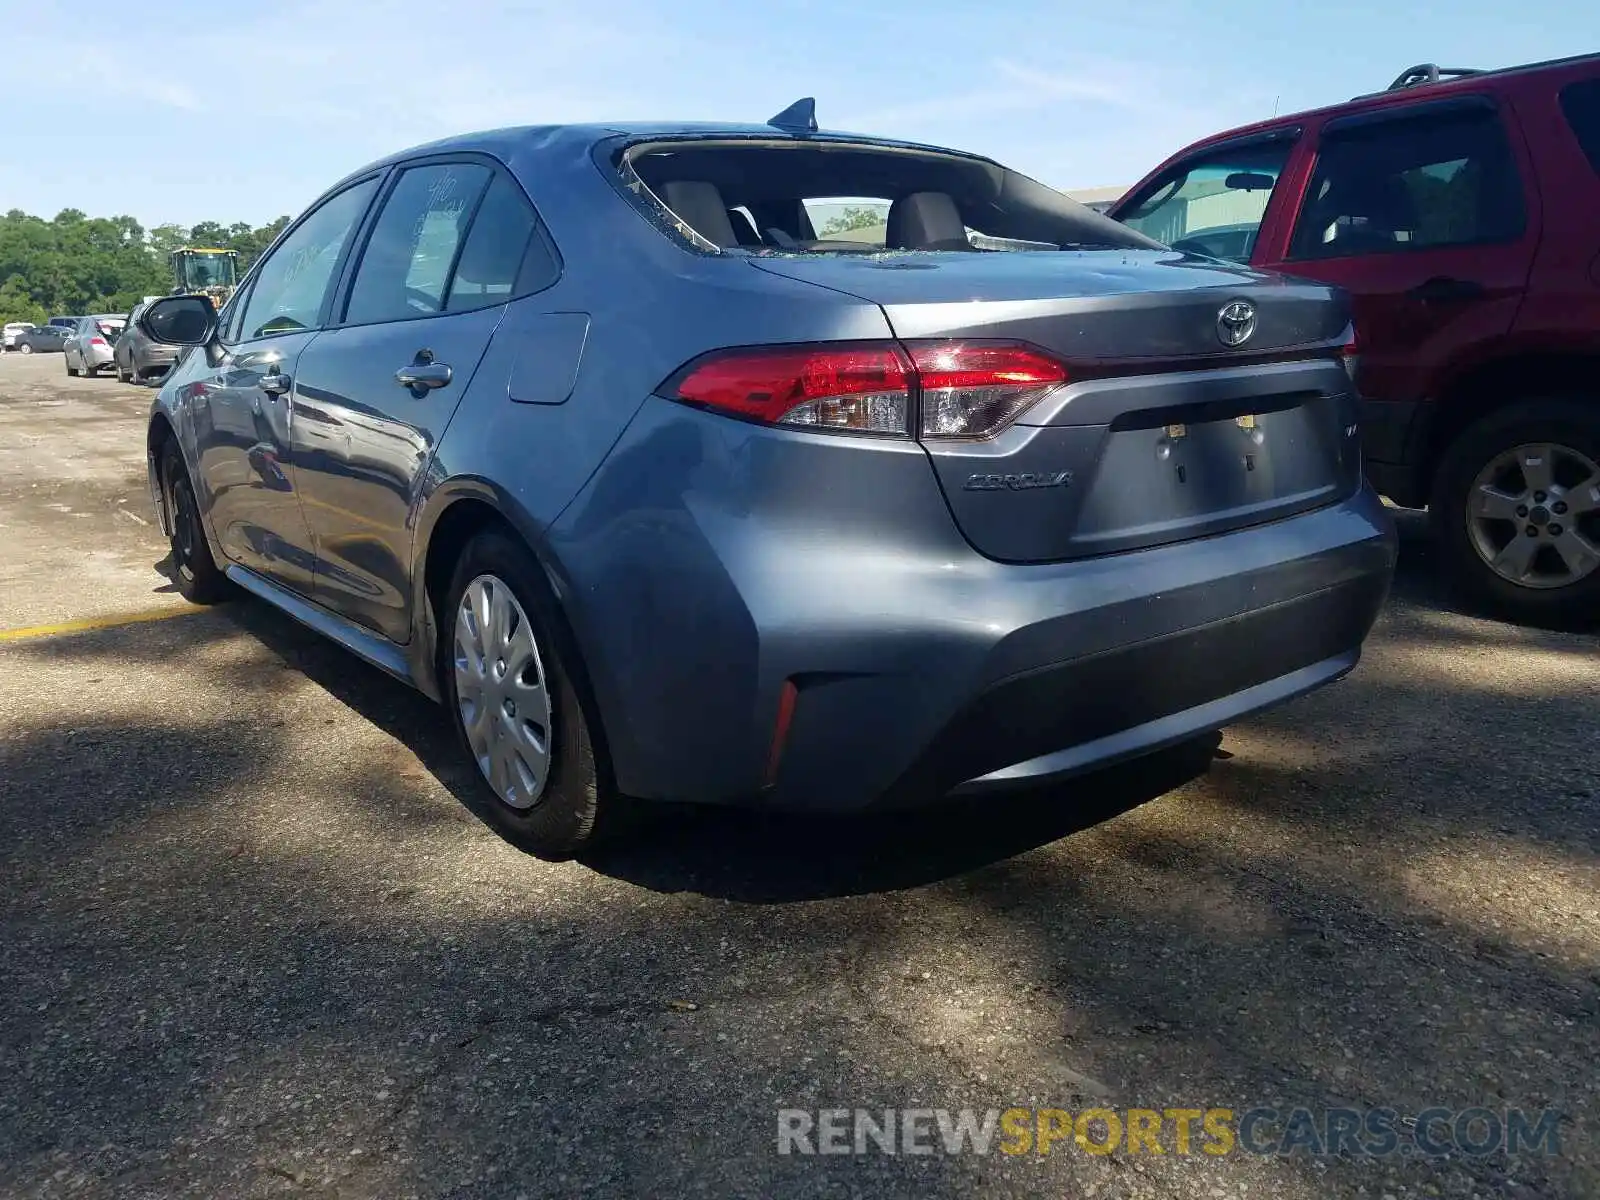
(193, 569)
(516, 713)
(1516, 503)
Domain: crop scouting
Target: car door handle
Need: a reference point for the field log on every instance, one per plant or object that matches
(424, 376)
(275, 384)
(1443, 288)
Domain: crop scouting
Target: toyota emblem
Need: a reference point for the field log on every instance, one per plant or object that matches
(1236, 322)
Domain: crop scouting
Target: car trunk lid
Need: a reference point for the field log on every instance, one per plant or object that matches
(1163, 431)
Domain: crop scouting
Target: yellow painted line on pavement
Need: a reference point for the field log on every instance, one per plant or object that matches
(28, 632)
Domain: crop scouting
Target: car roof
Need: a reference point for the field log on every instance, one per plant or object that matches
(542, 139)
(1384, 99)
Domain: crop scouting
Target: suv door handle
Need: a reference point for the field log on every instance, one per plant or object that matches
(274, 384)
(423, 375)
(1443, 288)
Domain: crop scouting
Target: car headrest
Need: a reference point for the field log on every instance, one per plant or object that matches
(699, 206)
(743, 230)
(925, 221)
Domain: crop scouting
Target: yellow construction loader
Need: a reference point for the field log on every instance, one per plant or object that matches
(200, 272)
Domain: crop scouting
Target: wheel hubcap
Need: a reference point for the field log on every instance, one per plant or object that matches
(1534, 515)
(501, 693)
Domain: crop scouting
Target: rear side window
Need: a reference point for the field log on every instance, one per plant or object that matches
(1580, 104)
(1411, 184)
(500, 247)
(405, 269)
(1212, 205)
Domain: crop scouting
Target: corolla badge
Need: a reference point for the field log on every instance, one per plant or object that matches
(1236, 322)
(1021, 482)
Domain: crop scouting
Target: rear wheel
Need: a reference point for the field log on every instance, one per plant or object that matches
(516, 713)
(1517, 505)
(71, 370)
(193, 569)
(25, 348)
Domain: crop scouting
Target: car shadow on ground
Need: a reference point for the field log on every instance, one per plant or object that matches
(751, 856)
(745, 854)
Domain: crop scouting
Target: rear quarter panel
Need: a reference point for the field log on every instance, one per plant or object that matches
(526, 441)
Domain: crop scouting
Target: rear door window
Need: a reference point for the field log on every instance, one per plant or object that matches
(405, 268)
(1580, 104)
(1415, 183)
(1212, 204)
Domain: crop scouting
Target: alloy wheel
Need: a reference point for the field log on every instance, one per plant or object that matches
(1533, 515)
(502, 695)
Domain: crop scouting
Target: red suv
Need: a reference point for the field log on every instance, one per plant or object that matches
(1461, 210)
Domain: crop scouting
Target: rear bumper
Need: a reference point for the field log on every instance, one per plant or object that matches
(795, 622)
(154, 356)
(1070, 717)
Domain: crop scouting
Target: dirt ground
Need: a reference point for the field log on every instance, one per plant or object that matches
(253, 944)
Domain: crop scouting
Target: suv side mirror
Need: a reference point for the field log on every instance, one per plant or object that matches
(180, 320)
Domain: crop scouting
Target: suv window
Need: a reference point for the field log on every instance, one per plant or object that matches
(1411, 184)
(405, 269)
(496, 250)
(1213, 204)
(1580, 103)
(292, 283)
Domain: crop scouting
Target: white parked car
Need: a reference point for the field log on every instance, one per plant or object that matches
(12, 331)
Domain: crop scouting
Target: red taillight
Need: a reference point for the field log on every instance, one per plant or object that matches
(966, 389)
(97, 341)
(1350, 353)
(972, 390)
(861, 388)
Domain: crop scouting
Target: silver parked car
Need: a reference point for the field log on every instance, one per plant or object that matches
(13, 331)
(136, 355)
(587, 433)
(89, 347)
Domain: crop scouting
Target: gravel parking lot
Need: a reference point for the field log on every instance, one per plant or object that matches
(253, 944)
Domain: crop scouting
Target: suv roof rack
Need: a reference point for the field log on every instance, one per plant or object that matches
(1429, 73)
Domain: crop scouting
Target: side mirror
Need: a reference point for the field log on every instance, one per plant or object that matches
(1249, 181)
(180, 320)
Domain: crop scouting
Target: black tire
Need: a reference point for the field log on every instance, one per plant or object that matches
(25, 348)
(122, 376)
(194, 571)
(71, 370)
(1570, 422)
(577, 806)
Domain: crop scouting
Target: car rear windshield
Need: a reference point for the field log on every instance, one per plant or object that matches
(834, 197)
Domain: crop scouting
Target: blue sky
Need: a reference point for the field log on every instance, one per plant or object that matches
(239, 110)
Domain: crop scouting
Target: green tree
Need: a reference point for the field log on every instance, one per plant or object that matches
(17, 302)
(853, 217)
(75, 263)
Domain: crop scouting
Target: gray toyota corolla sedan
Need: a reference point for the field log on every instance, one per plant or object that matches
(754, 464)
